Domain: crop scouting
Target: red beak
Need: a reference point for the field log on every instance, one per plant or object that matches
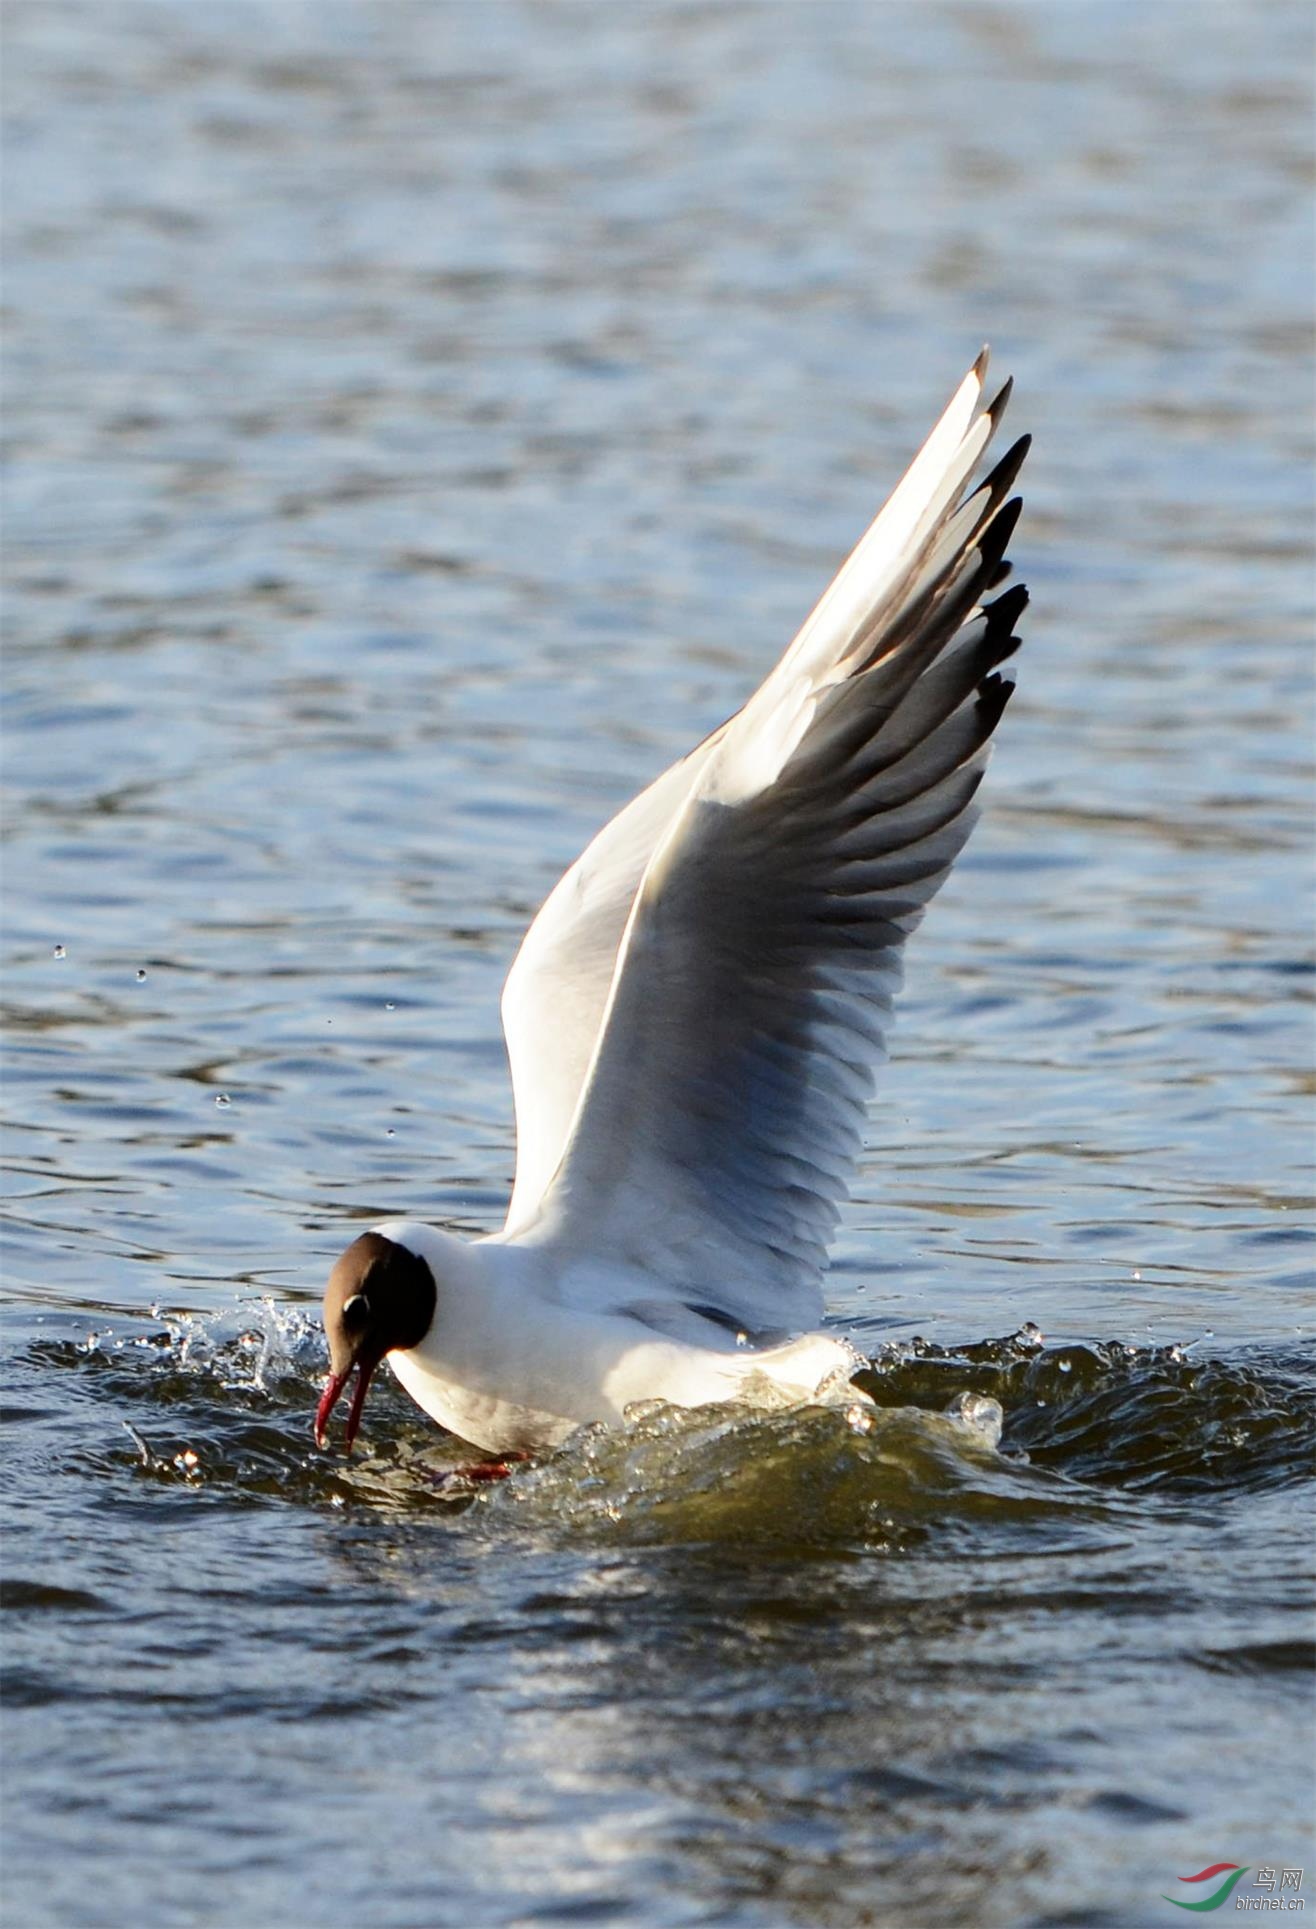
(333, 1387)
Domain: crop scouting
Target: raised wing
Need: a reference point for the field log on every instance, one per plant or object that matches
(724, 1102)
(558, 987)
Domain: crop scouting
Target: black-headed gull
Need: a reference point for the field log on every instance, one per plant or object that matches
(695, 1016)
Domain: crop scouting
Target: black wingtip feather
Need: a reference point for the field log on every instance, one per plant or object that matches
(999, 641)
(996, 408)
(994, 692)
(1001, 479)
(995, 539)
(1004, 613)
(1003, 649)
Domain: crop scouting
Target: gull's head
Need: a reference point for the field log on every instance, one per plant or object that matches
(380, 1297)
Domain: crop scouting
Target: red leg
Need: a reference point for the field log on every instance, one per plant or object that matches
(481, 1470)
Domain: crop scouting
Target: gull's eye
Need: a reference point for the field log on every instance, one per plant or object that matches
(356, 1311)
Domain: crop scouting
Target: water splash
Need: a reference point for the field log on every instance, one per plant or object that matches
(1117, 1415)
(1000, 1436)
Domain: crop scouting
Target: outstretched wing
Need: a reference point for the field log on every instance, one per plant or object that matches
(759, 936)
(557, 990)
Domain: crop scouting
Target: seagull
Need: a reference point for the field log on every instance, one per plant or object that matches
(695, 1016)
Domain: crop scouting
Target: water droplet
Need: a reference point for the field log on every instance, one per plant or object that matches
(859, 1419)
(979, 1415)
(742, 1339)
(390, 1006)
(141, 976)
(60, 952)
(1066, 1366)
(1136, 1273)
(222, 1098)
(390, 1133)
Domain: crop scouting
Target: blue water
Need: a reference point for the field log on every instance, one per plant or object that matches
(423, 423)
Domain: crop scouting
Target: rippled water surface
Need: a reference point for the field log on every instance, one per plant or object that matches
(425, 421)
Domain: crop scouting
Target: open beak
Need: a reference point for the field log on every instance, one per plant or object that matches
(364, 1366)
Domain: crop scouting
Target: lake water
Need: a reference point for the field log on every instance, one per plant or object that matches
(424, 422)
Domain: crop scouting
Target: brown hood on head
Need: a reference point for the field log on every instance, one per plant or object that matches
(380, 1297)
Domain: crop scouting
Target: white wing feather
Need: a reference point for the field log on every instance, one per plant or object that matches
(695, 1016)
(556, 991)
